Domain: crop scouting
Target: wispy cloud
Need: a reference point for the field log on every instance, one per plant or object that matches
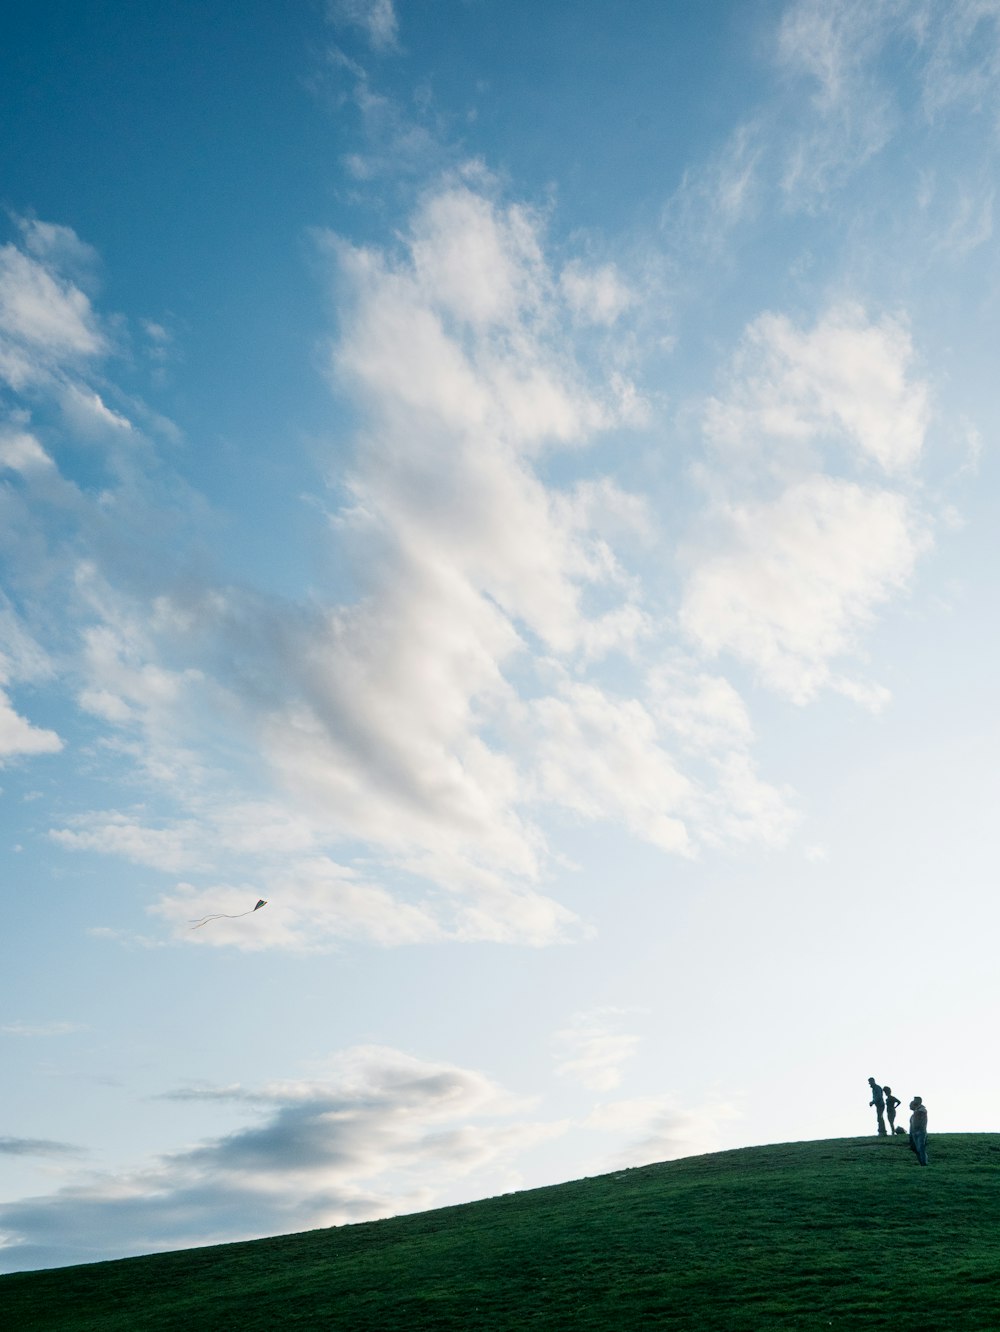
(32, 1029)
(46, 321)
(376, 18)
(37, 1147)
(876, 69)
(961, 49)
(59, 247)
(593, 1048)
(852, 117)
(661, 1129)
(719, 195)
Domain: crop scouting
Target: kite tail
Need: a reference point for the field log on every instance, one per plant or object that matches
(225, 915)
(222, 915)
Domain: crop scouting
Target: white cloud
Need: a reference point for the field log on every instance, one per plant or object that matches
(710, 721)
(124, 681)
(705, 711)
(90, 416)
(599, 757)
(315, 903)
(21, 452)
(794, 581)
(19, 736)
(57, 246)
(794, 556)
(364, 718)
(379, 723)
(117, 835)
(846, 378)
(458, 335)
(45, 319)
(374, 716)
(215, 835)
(483, 266)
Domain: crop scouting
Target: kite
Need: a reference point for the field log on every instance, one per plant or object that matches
(224, 915)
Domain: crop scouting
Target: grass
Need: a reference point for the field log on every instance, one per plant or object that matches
(849, 1234)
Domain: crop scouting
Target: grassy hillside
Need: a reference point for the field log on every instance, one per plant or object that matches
(849, 1234)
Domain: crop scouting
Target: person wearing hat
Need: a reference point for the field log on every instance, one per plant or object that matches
(918, 1129)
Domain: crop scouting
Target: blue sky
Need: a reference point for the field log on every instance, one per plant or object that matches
(513, 486)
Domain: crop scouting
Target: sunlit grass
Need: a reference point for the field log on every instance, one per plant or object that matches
(849, 1234)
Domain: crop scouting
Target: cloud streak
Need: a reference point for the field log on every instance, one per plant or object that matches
(36, 1147)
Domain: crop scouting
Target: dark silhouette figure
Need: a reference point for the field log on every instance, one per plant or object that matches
(878, 1101)
(918, 1129)
(890, 1107)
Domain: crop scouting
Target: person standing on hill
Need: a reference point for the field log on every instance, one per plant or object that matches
(890, 1107)
(918, 1129)
(878, 1101)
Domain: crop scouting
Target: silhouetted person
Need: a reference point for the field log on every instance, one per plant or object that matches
(890, 1107)
(918, 1129)
(878, 1101)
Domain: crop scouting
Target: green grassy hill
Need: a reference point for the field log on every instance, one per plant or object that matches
(848, 1234)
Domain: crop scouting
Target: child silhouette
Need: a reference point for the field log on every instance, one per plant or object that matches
(890, 1107)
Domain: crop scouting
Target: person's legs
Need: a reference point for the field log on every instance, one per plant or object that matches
(920, 1145)
(880, 1111)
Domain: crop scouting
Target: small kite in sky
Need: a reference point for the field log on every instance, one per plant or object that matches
(224, 915)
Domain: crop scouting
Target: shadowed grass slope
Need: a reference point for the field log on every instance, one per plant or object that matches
(848, 1234)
